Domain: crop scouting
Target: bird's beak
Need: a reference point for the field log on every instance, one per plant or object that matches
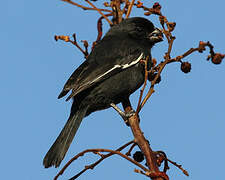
(156, 36)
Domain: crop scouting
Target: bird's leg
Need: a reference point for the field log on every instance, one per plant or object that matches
(124, 115)
(128, 108)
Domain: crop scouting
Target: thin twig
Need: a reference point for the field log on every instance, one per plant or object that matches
(161, 66)
(99, 29)
(143, 87)
(117, 12)
(74, 42)
(100, 12)
(125, 7)
(168, 60)
(179, 166)
(111, 152)
(94, 164)
(130, 8)
(131, 148)
(84, 7)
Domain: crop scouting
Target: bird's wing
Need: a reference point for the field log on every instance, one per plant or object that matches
(103, 63)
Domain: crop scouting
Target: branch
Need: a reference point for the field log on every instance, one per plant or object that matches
(162, 157)
(130, 8)
(144, 85)
(74, 42)
(117, 12)
(99, 29)
(100, 12)
(84, 7)
(179, 166)
(131, 148)
(216, 58)
(117, 151)
(111, 152)
(143, 144)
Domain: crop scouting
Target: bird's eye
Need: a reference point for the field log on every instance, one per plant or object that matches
(154, 34)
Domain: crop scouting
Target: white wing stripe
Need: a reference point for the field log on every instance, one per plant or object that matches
(119, 66)
(133, 62)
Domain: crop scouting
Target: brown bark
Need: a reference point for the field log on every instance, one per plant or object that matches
(143, 143)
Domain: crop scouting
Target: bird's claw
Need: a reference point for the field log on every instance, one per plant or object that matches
(127, 115)
(124, 115)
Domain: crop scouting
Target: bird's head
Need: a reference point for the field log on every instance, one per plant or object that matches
(140, 29)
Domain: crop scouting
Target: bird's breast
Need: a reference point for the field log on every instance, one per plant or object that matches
(115, 88)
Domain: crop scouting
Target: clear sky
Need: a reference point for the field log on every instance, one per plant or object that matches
(185, 117)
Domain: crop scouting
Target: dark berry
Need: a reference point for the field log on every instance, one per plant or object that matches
(217, 59)
(185, 67)
(138, 156)
(156, 6)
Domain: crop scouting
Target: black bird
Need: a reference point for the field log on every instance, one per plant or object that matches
(110, 74)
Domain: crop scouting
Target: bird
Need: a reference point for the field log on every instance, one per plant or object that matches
(109, 75)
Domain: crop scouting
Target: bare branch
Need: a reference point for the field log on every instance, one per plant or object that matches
(100, 12)
(143, 87)
(97, 162)
(111, 152)
(143, 143)
(130, 8)
(131, 148)
(99, 29)
(84, 7)
(74, 42)
(179, 166)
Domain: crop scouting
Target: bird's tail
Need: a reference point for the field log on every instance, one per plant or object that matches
(61, 145)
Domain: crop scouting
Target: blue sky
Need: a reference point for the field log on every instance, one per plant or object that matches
(185, 117)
